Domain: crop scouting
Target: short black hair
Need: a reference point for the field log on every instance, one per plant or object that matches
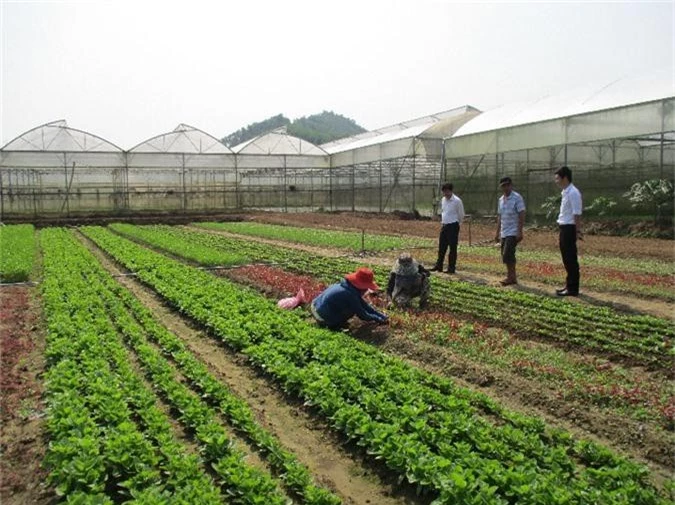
(448, 186)
(564, 172)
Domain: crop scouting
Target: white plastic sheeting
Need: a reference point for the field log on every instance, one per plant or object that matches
(183, 139)
(278, 142)
(436, 125)
(57, 136)
(579, 101)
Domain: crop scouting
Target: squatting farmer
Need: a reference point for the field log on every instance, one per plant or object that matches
(408, 279)
(334, 306)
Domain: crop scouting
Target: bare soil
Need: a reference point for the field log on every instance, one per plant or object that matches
(22, 439)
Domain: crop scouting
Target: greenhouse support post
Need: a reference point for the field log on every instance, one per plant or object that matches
(414, 160)
(183, 182)
(663, 129)
(236, 182)
(2, 198)
(444, 166)
(285, 185)
(66, 202)
(353, 187)
(380, 188)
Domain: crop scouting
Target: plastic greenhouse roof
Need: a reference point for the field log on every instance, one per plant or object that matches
(407, 129)
(58, 136)
(591, 98)
(278, 142)
(183, 139)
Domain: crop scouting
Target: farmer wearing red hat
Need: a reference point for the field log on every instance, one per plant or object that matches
(338, 303)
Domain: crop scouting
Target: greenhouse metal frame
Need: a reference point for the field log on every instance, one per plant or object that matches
(611, 136)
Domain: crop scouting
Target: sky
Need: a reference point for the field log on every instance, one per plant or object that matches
(128, 71)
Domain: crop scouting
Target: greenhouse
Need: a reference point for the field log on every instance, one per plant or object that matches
(611, 136)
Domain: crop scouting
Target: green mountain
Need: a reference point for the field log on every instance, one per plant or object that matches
(317, 128)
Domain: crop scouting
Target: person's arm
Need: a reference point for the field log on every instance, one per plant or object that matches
(367, 312)
(499, 228)
(521, 224)
(391, 284)
(578, 224)
(460, 211)
(577, 207)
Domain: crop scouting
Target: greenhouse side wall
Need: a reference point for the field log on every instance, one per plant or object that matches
(404, 175)
(607, 170)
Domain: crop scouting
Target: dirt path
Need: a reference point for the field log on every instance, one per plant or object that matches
(22, 345)
(332, 462)
(479, 231)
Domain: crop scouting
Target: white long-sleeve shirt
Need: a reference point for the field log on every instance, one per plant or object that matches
(452, 210)
(570, 205)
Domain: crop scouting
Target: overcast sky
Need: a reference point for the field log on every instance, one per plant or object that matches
(130, 71)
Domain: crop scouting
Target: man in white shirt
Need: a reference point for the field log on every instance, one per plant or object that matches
(452, 214)
(569, 222)
(510, 222)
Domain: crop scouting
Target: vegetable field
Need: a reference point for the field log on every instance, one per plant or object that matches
(151, 364)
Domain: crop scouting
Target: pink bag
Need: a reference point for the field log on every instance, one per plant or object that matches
(292, 302)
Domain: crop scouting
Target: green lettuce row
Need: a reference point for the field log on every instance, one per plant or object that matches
(17, 252)
(229, 312)
(646, 339)
(95, 447)
(355, 241)
(243, 484)
(190, 250)
(118, 300)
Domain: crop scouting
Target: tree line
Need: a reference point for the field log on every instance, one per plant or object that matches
(317, 128)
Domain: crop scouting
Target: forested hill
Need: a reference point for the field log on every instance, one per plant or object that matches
(317, 128)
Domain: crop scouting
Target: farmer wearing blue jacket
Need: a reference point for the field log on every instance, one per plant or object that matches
(334, 306)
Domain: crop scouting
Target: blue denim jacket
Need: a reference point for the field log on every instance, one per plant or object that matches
(340, 301)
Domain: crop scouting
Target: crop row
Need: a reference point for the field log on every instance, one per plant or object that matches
(140, 327)
(642, 338)
(17, 252)
(354, 241)
(348, 240)
(460, 444)
(96, 451)
(648, 278)
(81, 279)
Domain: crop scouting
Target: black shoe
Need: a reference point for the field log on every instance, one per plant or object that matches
(566, 292)
(436, 269)
(560, 290)
(449, 271)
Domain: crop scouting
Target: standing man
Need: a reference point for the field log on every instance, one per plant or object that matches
(569, 221)
(452, 214)
(510, 221)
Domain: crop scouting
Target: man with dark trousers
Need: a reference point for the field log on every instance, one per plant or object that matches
(569, 222)
(452, 214)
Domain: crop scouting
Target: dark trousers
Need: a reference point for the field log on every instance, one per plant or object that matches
(568, 251)
(449, 237)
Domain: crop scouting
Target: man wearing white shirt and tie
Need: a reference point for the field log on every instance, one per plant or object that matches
(452, 214)
(569, 221)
